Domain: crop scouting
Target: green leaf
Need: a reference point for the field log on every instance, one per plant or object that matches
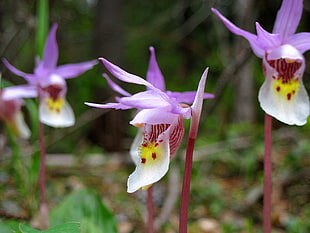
(85, 206)
(9, 226)
(89, 226)
(64, 228)
(5, 228)
(25, 229)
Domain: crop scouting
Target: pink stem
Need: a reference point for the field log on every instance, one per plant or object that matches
(186, 186)
(44, 216)
(150, 210)
(267, 174)
(42, 174)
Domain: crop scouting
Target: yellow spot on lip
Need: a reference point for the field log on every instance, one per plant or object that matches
(285, 90)
(55, 105)
(150, 153)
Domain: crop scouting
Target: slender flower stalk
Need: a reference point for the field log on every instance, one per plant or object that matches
(42, 28)
(150, 210)
(196, 112)
(186, 186)
(44, 213)
(267, 174)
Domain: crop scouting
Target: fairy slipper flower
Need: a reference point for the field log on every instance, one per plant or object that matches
(282, 94)
(11, 114)
(159, 118)
(49, 80)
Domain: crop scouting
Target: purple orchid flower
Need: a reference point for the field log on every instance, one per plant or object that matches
(159, 118)
(282, 94)
(49, 82)
(11, 114)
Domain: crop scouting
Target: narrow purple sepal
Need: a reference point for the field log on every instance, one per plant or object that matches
(115, 87)
(29, 77)
(153, 117)
(125, 76)
(288, 18)
(197, 105)
(21, 91)
(109, 105)
(257, 49)
(300, 41)
(187, 97)
(267, 40)
(50, 55)
(154, 75)
(73, 70)
(145, 100)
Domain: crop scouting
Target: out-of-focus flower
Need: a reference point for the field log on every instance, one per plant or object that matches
(10, 113)
(49, 80)
(159, 118)
(283, 94)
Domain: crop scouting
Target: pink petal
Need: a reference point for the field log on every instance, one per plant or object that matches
(267, 40)
(197, 105)
(257, 49)
(146, 99)
(187, 97)
(154, 75)
(125, 76)
(21, 91)
(74, 70)
(50, 55)
(288, 18)
(116, 87)
(154, 116)
(29, 77)
(300, 41)
(176, 108)
(109, 105)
